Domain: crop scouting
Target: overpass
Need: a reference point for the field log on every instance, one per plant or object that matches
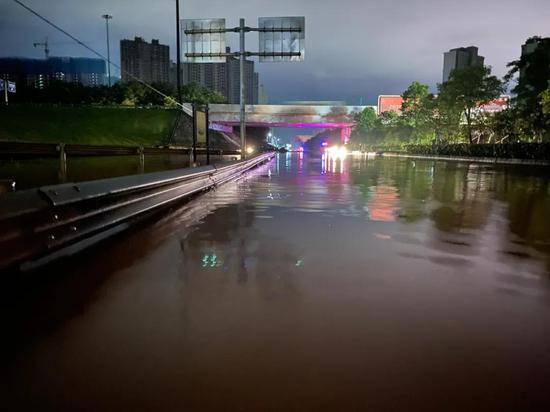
(224, 117)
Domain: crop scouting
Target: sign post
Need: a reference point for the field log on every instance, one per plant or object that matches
(201, 135)
(207, 132)
(7, 87)
(242, 91)
(280, 39)
(194, 149)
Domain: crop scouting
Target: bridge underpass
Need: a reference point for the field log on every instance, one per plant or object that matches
(224, 117)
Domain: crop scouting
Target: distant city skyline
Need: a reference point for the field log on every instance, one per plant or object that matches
(354, 48)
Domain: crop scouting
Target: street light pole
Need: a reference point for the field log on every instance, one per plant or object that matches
(107, 18)
(242, 98)
(178, 51)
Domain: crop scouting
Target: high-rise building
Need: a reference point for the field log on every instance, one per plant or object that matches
(251, 80)
(223, 78)
(531, 45)
(213, 76)
(149, 62)
(40, 72)
(460, 58)
(262, 95)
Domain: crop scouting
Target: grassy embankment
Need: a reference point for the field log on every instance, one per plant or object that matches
(86, 125)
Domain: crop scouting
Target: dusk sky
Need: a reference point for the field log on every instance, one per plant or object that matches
(354, 48)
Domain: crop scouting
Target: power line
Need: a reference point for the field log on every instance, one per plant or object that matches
(66, 33)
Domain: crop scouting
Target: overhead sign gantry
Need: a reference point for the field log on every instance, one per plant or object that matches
(280, 39)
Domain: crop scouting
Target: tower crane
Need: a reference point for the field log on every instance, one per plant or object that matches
(45, 44)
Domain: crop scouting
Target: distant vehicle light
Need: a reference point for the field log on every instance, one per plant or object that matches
(337, 151)
(249, 150)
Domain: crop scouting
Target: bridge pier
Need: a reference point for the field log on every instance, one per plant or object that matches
(345, 133)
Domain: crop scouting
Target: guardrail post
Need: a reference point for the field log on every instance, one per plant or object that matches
(62, 163)
(141, 159)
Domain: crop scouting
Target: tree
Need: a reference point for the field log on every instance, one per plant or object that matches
(446, 120)
(418, 111)
(534, 72)
(366, 120)
(134, 94)
(506, 126)
(467, 89)
(545, 101)
(195, 93)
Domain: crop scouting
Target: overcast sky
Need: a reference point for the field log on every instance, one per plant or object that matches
(354, 48)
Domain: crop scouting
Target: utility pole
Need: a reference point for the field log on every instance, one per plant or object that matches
(178, 51)
(241, 80)
(107, 18)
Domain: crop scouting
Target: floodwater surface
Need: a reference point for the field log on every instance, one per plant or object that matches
(310, 284)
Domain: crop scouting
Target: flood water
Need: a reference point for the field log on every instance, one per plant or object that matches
(364, 284)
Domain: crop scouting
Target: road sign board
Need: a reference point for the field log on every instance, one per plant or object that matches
(201, 127)
(203, 42)
(11, 86)
(279, 41)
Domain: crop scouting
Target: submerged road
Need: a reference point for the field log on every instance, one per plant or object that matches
(310, 284)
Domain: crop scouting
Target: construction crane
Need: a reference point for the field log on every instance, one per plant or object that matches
(46, 47)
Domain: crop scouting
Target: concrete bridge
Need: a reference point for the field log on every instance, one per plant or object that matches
(224, 116)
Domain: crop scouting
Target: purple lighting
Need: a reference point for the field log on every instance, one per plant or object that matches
(313, 125)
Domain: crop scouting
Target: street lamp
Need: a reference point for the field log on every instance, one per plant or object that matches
(107, 18)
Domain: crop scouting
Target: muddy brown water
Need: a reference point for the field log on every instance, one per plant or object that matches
(310, 284)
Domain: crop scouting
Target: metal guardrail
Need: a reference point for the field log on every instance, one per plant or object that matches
(39, 224)
(28, 149)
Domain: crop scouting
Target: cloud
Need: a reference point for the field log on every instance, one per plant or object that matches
(353, 47)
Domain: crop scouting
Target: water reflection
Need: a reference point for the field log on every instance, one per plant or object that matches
(319, 285)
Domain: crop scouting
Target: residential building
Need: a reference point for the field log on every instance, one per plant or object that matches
(393, 103)
(221, 77)
(460, 58)
(233, 81)
(389, 103)
(262, 95)
(149, 62)
(531, 45)
(39, 73)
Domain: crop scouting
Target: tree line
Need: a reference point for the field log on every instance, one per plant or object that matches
(454, 114)
(131, 94)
